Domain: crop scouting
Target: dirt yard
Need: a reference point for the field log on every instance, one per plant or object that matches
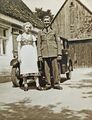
(74, 102)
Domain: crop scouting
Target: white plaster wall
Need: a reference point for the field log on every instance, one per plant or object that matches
(5, 67)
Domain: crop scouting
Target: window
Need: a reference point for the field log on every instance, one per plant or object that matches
(3, 38)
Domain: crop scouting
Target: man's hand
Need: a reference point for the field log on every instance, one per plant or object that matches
(59, 57)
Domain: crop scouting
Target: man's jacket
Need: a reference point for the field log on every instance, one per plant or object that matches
(48, 44)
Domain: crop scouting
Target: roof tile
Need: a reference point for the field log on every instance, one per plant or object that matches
(18, 10)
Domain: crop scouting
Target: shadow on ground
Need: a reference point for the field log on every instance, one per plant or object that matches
(19, 111)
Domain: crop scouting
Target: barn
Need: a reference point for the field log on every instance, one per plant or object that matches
(13, 13)
(74, 22)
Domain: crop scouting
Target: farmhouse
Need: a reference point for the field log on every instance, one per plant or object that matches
(74, 22)
(13, 13)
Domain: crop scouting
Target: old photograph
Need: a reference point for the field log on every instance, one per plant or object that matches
(45, 60)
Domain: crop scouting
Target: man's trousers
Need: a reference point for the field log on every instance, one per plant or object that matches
(51, 70)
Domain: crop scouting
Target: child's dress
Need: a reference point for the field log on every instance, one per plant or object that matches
(28, 54)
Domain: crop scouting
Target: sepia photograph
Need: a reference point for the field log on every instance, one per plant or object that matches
(45, 59)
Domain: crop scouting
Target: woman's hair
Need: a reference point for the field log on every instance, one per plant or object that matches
(27, 23)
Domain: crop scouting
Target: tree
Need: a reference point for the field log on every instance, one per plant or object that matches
(40, 13)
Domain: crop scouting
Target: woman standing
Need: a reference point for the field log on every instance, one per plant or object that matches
(27, 55)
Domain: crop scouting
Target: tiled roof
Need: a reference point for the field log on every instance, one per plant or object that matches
(18, 10)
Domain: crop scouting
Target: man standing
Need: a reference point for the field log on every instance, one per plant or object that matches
(49, 52)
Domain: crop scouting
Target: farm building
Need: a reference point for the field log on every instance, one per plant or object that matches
(13, 13)
(74, 22)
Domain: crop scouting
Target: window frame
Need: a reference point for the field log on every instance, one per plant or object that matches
(3, 39)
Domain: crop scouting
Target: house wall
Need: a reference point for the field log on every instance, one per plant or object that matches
(8, 23)
(5, 58)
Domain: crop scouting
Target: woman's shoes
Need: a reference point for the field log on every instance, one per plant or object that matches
(25, 87)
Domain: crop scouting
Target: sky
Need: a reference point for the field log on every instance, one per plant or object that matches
(54, 5)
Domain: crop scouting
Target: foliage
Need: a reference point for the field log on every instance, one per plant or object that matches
(40, 13)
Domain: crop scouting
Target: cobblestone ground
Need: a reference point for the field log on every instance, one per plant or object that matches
(74, 102)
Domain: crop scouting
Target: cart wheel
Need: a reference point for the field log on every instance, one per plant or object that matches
(68, 75)
(14, 78)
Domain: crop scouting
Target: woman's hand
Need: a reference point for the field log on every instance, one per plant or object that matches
(19, 59)
(40, 59)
